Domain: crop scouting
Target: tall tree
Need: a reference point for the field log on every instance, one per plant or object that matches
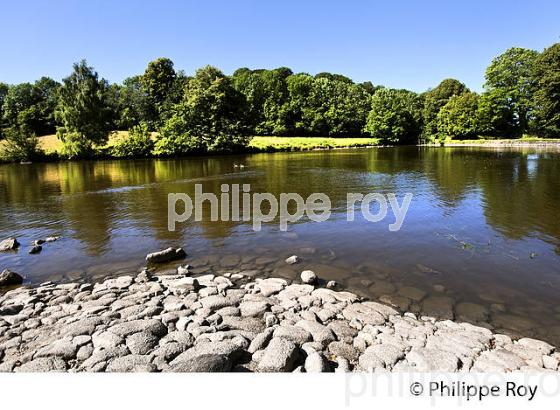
(3, 91)
(458, 118)
(547, 96)
(159, 81)
(31, 106)
(394, 117)
(511, 82)
(83, 110)
(211, 117)
(435, 99)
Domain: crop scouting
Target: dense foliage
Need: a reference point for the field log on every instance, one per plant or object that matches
(83, 111)
(215, 112)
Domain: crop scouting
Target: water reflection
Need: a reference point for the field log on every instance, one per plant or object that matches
(483, 222)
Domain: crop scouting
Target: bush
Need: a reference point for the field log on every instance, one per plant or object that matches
(138, 144)
(19, 145)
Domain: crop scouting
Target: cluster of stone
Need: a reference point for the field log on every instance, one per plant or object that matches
(210, 323)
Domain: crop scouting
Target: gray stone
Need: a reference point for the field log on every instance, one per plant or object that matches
(35, 249)
(384, 354)
(253, 308)
(316, 363)
(106, 340)
(309, 277)
(216, 302)
(471, 312)
(131, 363)
(9, 244)
(293, 259)
(141, 343)
(346, 350)
(319, 332)
(229, 348)
(261, 340)
(433, 360)
(166, 255)
(60, 348)
(440, 307)
(42, 365)
(206, 363)
(10, 278)
(295, 334)
(153, 326)
(279, 356)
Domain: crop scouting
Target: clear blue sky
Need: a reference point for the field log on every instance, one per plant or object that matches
(404, 44)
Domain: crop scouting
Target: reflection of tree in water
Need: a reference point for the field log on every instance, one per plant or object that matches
(518, 190)
(521, 196)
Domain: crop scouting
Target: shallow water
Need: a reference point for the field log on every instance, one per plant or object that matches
(483, 224)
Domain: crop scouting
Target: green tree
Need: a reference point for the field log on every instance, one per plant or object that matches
(3, 91)
(159, 83)
(31, 107)
(511, 81)
(133, 105)
(84, 111)
(434, 100)
(458, 118)
(395, 116)
(211, 117)
(547, 96)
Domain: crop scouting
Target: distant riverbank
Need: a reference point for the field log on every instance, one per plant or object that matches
(521, 142)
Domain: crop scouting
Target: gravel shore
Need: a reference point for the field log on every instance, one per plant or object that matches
(209, 323)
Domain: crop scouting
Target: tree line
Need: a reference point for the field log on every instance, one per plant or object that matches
(169, 113)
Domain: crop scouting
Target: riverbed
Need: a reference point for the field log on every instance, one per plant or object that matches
(482, 232)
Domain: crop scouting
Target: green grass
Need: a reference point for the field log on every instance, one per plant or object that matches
(489, 141)
(307, 143)
(50, 143)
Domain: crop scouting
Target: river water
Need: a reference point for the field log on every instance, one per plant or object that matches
(480, 241)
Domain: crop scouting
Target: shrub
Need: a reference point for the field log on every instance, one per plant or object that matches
(138, 144)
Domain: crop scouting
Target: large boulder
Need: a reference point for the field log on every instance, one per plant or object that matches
(9, 278)
(167, 255)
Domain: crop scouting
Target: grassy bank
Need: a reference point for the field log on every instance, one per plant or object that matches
(51, 144)
(504, 142)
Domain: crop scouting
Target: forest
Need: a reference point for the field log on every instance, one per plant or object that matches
(169, 113)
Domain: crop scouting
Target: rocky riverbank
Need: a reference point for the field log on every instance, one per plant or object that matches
(180, 323)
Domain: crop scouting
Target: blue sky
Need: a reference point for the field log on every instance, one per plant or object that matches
(404, 44)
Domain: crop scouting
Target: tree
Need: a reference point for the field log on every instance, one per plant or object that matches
(83, 110)
(394, 117)
(3, 91)
(133, 105)
(547, 96)
(458, 118)
(211, 117)
(158, 82)
(434, 100)
(511, 81)
(31, 106)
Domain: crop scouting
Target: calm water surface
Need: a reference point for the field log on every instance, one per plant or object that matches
(482, 231)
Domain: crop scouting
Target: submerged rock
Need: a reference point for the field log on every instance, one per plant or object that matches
(10, 244)
(166, 255)
(9, 278)
(36, 249)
